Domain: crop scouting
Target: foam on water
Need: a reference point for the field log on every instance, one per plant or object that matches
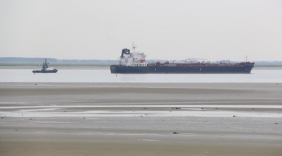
(144, 114)
(35, 112)
(141, 106)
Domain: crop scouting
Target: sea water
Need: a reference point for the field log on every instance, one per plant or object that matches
(104, 76)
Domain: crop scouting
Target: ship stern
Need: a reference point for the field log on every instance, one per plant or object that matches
(113, 68)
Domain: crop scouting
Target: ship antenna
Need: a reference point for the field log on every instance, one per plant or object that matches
(133, 47)
(246, 58)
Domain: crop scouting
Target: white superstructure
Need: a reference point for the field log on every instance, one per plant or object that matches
(132, 59)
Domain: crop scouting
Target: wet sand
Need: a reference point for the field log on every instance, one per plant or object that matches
(140, 119)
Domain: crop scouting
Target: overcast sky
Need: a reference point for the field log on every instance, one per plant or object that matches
(162, 29)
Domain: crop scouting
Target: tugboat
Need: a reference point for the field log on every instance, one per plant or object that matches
(45, 68)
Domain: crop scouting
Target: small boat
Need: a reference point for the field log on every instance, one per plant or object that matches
(45, 68)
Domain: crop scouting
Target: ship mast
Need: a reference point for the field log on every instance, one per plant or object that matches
(133, 47)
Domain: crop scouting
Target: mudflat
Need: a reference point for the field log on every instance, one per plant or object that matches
(141, 119)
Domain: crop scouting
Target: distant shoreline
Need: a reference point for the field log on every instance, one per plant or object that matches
(22, 61)
(87, 67)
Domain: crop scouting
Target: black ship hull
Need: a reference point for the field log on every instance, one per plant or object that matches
(182, 70)
(45, 71)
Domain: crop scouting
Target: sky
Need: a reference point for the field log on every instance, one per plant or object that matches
(162, 29)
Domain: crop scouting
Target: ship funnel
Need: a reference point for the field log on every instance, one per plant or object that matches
(124, 51)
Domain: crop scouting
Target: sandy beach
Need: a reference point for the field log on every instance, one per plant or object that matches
(141, 119)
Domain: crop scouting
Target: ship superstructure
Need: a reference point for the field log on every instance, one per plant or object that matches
(135, 59)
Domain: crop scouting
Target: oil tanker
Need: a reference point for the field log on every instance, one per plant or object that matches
(135, 63)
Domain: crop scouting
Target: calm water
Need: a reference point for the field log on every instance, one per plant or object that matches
(25, 75)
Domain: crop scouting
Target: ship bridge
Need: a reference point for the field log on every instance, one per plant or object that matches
(136, 59)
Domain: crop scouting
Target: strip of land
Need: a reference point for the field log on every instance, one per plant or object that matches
(140, 119)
